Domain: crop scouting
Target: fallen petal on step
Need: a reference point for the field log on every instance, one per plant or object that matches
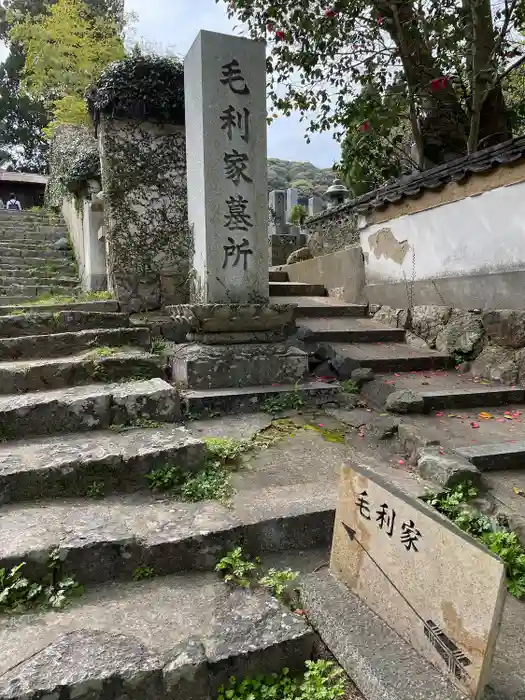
(473, 424)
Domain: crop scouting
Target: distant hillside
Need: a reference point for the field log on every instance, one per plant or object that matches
(305, 177)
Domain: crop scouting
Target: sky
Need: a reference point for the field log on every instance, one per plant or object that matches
(174, 24)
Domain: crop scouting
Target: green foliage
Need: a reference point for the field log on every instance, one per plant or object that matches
(105, 351)
(66, 48)
(443, 60)
(350, 387)
(298, 214)
(143, 423)
(278, 582)
(291, 400)
(453, 503)
(143, 573)
(305, 177)
(237, 569)
(96, 490)
(18, 593)
(158, 346)
(322, 680)
(226, 450)
(145, 87)
(211, 482)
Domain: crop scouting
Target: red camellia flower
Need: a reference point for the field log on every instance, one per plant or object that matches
(270, 26)
(380, 19)
(330, 13)
(280, 35)
(439, 83)
(365, 126)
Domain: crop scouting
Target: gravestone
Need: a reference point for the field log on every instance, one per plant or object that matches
(225, 98)
(277, 204)
(438, 588)
(292, 199)
(236, 335)
(315, 206)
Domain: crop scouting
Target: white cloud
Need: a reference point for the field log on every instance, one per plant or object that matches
(174, 24)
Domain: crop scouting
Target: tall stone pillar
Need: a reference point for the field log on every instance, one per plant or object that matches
(236, 334)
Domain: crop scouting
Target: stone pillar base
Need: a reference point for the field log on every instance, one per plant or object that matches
(197, 366)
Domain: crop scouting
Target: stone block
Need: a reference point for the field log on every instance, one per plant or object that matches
(439, 589)
(388, 316)
(497, 364)
(505, 327)
(413, 438)
(463, 334)
(200, 367)
(404, 401)
(362, 375)
(154, 400)
(298, 256)
(186, 674)
(225, 102)
(234, 318)
(428, 321)
(445, 468)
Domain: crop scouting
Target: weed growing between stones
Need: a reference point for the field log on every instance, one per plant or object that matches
(18, 593)
(241, 570)
(158, 346)
(105, 351)
(321, 680)
(50, 299)
(349, 387)
(144, 573)
(96, 490)
(283, 402)
(99, 373)
(454, 504)
(139, 423)
(337, 436)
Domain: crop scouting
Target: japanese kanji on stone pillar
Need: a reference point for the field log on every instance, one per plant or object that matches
(225, 94)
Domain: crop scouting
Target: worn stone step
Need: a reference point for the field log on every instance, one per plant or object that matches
(39, 280)
(443, 390)
(75, 370)
(278, 276)
(287, 289)
(392, 357)
(495, 457)
(104, 306)
(49, 235)
(23, 244)
(35, 290)
(87, 408)
(107, 540)
(176, 637)
(322, 307)
(67, 466)
(32, 251)
(26, 262)
(64, 270)
(14, 300)
(347, 330)
(36, 322)
(250, 399)
(62, 344)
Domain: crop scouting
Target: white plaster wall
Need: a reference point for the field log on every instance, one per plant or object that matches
(84, 227)
(482, 234)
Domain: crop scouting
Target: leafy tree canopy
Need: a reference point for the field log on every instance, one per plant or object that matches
(392, 74)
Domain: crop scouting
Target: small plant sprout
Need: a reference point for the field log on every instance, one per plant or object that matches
(143, 573)
(278, 583)
(237, 569)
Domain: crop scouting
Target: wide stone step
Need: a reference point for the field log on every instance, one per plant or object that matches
(34, 290)
(39, 280)
(63, 270)
(347, 330)
(107, 540)
(255, 398)
(25, 235)
(34, 262)
(105, 306)
(20, 377)
(24, 244)
(69, 465)
(35, 322)
(287, 289)
(62, 344)
(495, 457)
(278, 276)
(87, 408)
(175, 637)
(322, 307)
(443, 390)
(392, 357)
(30, 251)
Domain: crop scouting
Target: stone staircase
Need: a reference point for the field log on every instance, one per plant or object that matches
(30, 264)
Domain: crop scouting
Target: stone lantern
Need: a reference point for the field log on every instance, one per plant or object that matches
(336, 193)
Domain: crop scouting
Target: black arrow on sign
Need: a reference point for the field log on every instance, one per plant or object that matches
(352, 535)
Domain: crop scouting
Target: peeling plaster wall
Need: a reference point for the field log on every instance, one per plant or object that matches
(146, 212)
(468, 253)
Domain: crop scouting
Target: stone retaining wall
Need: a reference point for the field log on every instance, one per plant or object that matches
(489, 344)
(332, 230)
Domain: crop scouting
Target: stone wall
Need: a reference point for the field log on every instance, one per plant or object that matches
(144, 184)
(332, 230)
(487, 344)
